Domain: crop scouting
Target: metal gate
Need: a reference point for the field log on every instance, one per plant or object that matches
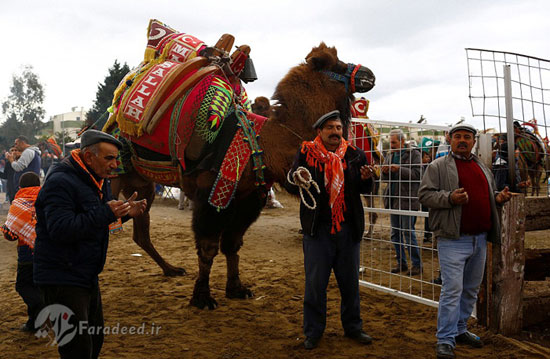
(511, 94)
(378, 251)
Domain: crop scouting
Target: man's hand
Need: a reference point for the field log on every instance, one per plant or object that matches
(503, 196)
(9, 156)
(119, 208)
(136, 207)
(366, 172)
(459, 196)
(301, 177)
(394, 168)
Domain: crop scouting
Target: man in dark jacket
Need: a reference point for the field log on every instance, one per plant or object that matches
(401, 170)
(334, 227)
(9, 174)
(74, 213)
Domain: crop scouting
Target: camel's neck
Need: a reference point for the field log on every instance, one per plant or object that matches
(280, 143)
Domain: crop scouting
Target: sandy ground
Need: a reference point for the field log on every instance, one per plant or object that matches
(269, 325)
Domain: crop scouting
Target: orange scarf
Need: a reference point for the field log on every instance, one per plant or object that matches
(21, 221)
(332, 164)
(75, 154)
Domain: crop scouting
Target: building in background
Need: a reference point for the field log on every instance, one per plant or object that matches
(68, 122)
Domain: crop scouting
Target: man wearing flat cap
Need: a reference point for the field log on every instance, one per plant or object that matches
(75, 211)
(461, 195)
(333, 228)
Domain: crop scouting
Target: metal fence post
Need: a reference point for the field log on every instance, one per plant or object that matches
(510, 126)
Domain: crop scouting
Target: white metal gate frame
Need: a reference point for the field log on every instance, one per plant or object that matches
(378, 286)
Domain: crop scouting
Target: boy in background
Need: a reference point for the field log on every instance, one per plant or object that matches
(20, 226)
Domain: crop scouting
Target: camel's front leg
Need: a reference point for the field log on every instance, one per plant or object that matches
(230, 245)
(207, 249)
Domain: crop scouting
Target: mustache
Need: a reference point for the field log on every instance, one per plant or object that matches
(462, 144)
(334, 136)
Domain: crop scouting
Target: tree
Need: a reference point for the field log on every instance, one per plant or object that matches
(23, 107)
(104, 95)
(63, 137)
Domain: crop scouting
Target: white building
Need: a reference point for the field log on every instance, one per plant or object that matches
(71, 122)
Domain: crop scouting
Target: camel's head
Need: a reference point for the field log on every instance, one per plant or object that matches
(356, 78)
(261, 106)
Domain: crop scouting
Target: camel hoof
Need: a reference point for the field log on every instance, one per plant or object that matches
(239, 293)
(202, 301)
(174, 272)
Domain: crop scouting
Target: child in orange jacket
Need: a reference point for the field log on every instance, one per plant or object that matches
(20, 227)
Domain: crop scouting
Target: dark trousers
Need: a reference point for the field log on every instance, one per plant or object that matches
(31, 294)
(88, 315)
(322, 254)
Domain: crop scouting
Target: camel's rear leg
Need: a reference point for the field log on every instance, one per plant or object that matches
(141, 234)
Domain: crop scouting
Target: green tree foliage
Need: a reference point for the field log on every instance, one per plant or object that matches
(104, 95)
(63, 137)
(23, 108)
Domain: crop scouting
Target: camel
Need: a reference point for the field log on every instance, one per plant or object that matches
(321, 84)
(532, 157)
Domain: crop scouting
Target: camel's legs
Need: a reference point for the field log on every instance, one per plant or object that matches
(141, 233)
(248, 210)
(231, 224)
(207, 249)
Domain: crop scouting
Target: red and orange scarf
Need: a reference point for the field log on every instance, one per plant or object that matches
(21, 221)
(75, 154)
(332, 164)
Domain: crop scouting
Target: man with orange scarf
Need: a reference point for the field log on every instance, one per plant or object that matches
(333, 227)
(20, 226)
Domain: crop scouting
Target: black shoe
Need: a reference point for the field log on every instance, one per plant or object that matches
(401, 268)
(360, 337)
(311, 342)
(427, 240)
(469, 339)
(444, 351)
(415, 270)
(437, 280)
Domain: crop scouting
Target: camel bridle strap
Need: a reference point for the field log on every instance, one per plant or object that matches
(304, 185)
(292, 131)
(348, 78)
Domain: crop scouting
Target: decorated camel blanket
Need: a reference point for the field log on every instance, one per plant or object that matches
(175, 104)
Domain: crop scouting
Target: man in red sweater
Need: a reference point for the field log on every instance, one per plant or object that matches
(460, 193)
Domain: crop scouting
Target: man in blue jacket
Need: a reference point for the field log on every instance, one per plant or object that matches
(74, 212)
(334, 227)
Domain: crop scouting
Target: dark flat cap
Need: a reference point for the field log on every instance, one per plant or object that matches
(464, 127)
(332, 115)
(91, 137)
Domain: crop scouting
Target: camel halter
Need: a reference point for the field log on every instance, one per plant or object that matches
(348, 78)
(304, 186)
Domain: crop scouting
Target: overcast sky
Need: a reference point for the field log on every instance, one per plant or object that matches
(415, 48)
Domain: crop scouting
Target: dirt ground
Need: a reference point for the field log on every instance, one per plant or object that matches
(269, 325)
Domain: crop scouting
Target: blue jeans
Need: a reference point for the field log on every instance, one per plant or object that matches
(323, 254)
(462, 263)
(403, 236)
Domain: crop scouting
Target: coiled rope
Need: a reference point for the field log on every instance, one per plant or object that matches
(304, 185)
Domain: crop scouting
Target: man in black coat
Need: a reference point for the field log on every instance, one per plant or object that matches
(334, 228)
(74, 214)
(9, 175)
